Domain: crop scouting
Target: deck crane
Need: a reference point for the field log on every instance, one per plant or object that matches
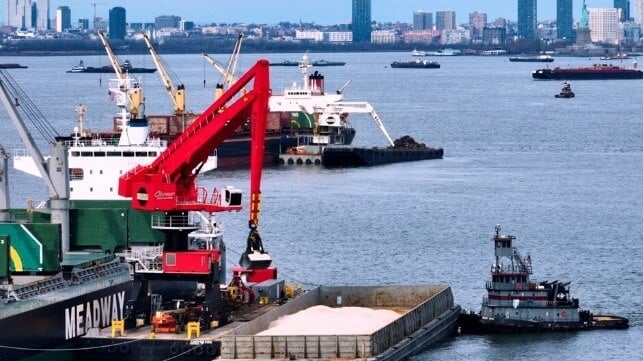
(177, 93)
(169, 183)
(134, 92)
(168, 188)
(331, 113)
(227, 73)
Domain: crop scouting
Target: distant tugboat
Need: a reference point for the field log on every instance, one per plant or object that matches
(566, 91)
(517, 304)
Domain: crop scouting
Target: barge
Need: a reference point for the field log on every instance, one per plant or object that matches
(594, 72)
(516, 303)
(427, 315)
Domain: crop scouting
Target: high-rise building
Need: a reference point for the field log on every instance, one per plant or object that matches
(624, 5)
(477, 22)
(167, 21)
(361, 25)
(27, 14)
(83, 24)
(565, 19)
(638, 11)
(603, 23)
(527, 18)
(422, 20)
(117, 23)
(445, 20)
(63, 18)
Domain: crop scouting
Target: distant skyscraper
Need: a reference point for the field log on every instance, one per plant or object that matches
(63, 18)
(565, 19)
(422, 20)
(638, 13)
(167, 21)
(624, 5)
(527, 18)
(603, 23)
(477, 22)
(445, 20)
(27, 14)
(361, 21)
(83, 24)
(117, 23)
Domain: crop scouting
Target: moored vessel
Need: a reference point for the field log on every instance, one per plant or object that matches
(593, 72)
(542, 58)
(126, 67)
(416, 64)
(516, 303)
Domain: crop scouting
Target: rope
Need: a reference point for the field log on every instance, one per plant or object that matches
(30, 110)
(68, 349)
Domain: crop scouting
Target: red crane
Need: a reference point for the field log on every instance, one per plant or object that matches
(169, 183)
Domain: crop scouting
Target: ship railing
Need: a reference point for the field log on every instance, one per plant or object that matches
(173, 221)
(510, 268)
(59, 295)
(145, 258)
(524, 263)
(33, 289)
(84, 275)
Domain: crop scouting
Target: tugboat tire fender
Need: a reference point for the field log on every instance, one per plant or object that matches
(174, 348)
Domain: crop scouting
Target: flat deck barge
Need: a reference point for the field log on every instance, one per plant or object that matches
(428, 315)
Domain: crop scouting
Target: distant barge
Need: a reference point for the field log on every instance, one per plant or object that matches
(12, 66)
(416, 64)
(594, 72)
(515, 303)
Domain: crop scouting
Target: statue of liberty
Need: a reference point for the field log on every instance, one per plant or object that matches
(584, 17)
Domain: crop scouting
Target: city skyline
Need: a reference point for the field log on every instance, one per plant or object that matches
(325, 12)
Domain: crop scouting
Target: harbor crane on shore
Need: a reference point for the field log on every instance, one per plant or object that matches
(177, 93)
(134, 91)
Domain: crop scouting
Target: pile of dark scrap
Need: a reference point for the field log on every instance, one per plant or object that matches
(406, 142)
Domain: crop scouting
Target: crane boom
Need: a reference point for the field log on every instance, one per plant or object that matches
(333, 109)
(135, 93)
(228, 77)
(112, 57)
(177, 94)
(169, 183)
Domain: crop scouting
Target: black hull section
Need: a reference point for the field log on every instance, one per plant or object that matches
(471, 323)
(526, 60)
(47, 327)
(339, 157)
(235, 152)
(124, 349)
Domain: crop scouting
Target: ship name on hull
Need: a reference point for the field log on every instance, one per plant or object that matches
(97, 313)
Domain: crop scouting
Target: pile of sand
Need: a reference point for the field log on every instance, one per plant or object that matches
(323, 320)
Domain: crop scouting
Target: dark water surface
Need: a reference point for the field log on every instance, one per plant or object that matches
(563, 175)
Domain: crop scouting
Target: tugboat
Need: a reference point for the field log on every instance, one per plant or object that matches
(515, 303)
(566, 91)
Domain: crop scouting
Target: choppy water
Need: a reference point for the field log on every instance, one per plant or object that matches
(563, 175)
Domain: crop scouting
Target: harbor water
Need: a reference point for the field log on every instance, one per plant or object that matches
(565, 176)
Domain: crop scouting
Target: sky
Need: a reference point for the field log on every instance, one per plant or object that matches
(324, 12)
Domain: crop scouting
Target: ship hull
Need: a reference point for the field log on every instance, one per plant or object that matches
(415, 65)
(57, 324)
(338, 157)
(110, 70)
(470, 323)
(235, 152)
(548, 74)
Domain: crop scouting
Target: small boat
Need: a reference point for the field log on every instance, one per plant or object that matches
(566, 91)
(324, 62)
(543, 58)
(618, 56)
(516, 303)
(416, 52)
(425, 64)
